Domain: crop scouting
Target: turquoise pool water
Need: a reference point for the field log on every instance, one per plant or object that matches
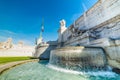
(43, 71)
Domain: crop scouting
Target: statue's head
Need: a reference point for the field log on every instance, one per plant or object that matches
(9, 40)
(62, 22)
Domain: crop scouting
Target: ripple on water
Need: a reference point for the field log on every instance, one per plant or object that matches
(39, 71)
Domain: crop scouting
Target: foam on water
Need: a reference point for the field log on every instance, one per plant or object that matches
(92, 73)
(44, 71)
(62, 69)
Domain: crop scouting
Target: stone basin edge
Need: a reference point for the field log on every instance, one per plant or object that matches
(7, 66)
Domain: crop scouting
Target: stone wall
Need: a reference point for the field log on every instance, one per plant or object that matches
(98, 27)
(8, 49)
(108, 29)
(113, 53)
(17, 51)
(99, 13)
(42, 51)
(100, 21)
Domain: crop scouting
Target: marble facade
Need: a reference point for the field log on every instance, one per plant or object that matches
(97, 27)
(100, 21)
(8, 49)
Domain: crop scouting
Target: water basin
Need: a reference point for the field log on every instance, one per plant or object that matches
(44, 71)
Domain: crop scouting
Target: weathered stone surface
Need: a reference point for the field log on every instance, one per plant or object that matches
(6, 66)
(100, 21)
(117, 42)
(100, 27)
(114, 63)
(42, 51)
(113, 52)
(100, 42)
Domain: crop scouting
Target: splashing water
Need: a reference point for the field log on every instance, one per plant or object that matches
(45, 71)
(92, 73)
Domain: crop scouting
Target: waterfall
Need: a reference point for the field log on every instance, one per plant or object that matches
(79, 58)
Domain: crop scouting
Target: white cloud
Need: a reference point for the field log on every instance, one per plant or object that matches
(7, 31)
(27, 39)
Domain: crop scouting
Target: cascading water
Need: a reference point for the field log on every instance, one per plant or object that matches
(79, 58)
(74, 63)
(43, 71)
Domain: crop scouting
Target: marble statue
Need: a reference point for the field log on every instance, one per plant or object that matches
(62, 23)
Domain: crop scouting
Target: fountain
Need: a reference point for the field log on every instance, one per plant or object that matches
(42, 71)
(79, 58)
(78, 62)
(67, 63)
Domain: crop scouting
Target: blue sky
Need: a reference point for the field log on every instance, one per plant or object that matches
(21, 19)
